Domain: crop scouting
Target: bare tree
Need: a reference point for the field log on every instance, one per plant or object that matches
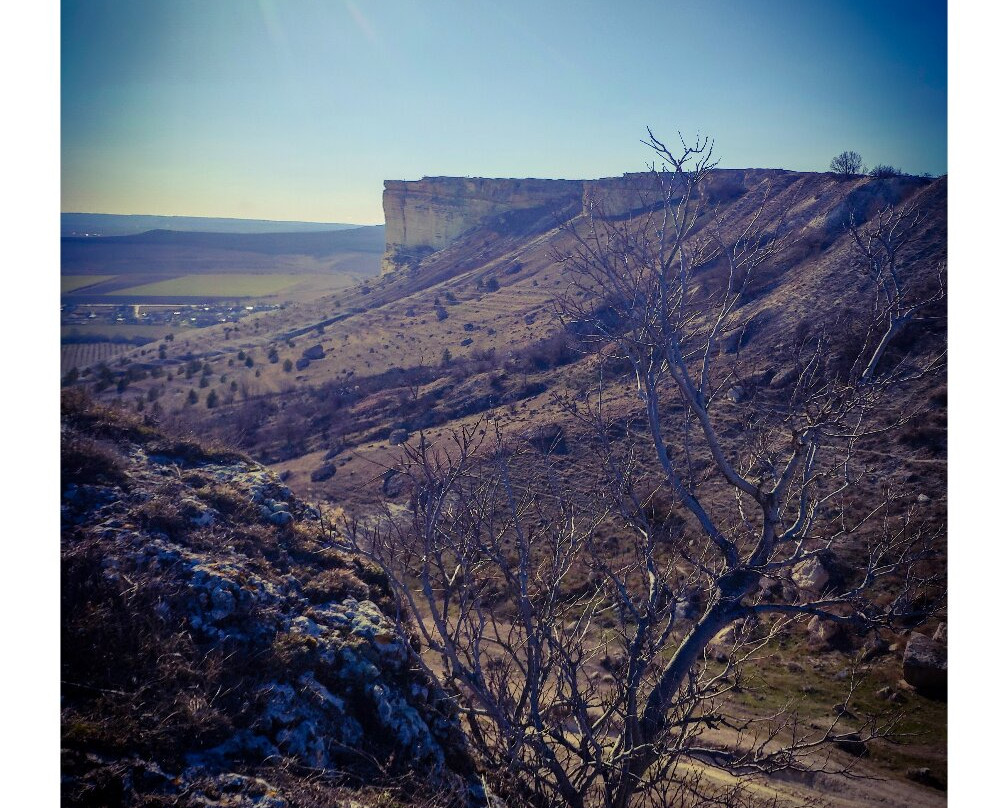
(725, 494)
(847, 163)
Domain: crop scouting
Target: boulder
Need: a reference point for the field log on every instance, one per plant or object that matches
(825, 632)
(924, 776)
(783, 378)
(393, 483)
(843, 711)
(852, 744)
(873, 648)
(733, 341)
(314, 352)
(728, 638)
(941, 634)
(323, 473)
(925, 665)
(811, 577)
(281, 518)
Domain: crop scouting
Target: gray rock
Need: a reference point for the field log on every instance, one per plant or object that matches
(281, 518)
(393, 483)
(223, 603)
(924, 776)
(873, 648)
(824, 632)
(941, 634)
(842, 712)
(737, 395)
(314, 352)
(323, 473)
(783, 378)
(811, 577)
(925, 665)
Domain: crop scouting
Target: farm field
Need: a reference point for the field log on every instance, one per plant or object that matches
(104, 331)
(215, 285)
(162, 289)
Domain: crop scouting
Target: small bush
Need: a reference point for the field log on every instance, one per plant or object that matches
(82, 460)
(335, 584)
(884, 172)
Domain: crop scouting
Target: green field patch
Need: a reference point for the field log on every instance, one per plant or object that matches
(214, 285)
(71, 283)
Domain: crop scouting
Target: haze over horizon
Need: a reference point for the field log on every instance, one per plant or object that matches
(298, 111)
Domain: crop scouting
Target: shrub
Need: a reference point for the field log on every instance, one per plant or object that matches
(884, 172)
(84, 461)
(335, 584)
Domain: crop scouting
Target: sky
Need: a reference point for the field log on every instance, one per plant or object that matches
(299, 109)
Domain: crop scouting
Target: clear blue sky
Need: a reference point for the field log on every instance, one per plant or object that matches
(298, 109)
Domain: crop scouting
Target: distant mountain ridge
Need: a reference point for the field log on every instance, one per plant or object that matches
(369, 239)
(115, 224)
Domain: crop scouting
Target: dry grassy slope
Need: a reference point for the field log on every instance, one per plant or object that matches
(392, 322)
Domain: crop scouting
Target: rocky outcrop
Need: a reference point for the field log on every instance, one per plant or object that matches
(209, 634)
(426, 215)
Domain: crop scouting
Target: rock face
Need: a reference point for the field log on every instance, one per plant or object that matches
(208, 630)
(426, 215)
